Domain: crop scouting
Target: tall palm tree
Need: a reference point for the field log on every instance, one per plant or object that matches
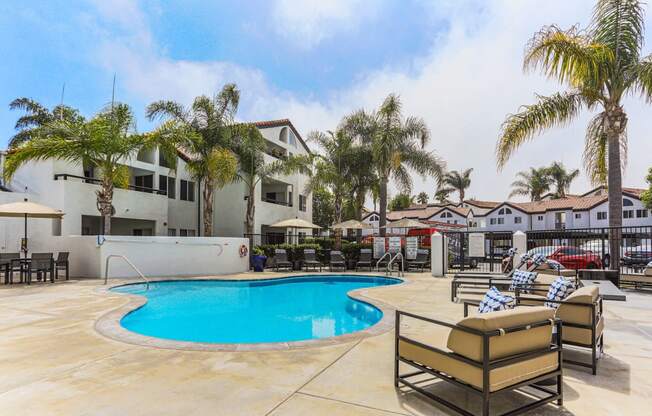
(362, 178)
(600, 66)
(37, 115)
(422, 198)
(458, 182)
(533, 184)
(249, 146)
(105, 141)
(205, 131)
(397, 145)
(442, 195)
(561, 178)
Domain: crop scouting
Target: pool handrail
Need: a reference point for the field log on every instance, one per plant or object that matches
(391, 262)
(106, 269)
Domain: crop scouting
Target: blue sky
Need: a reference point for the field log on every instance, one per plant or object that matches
(455, 63)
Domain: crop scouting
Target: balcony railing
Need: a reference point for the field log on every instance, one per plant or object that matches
(274, 201)
(96, 181)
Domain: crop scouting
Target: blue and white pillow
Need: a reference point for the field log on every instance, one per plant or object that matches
(522, 279)
(554, 265)
(538, 259)
(559, 289)
(495, 301)
(512, 252)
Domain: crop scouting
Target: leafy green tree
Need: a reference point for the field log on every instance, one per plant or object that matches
(249, 146)
(105, 141)
(561, 178)
(459, 182)
(205, 131)
(397, 146)
(323, 209)
(442, 195)
(37, 115)
(533, 184)
(646, 197)
(600, 66)
(400, 201)
(422, 198)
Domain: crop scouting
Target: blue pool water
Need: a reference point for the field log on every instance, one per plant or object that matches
(275, 310)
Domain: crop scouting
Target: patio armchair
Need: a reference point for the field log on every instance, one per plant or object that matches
(61, 263)
(8, 266)
(420, 262)
(281, 260)
(41, 263)
(581, 313)
(637, 281)
(310, 260)
(484, 355)
(337, 261)
(365, 259)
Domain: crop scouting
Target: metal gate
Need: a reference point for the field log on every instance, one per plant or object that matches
(474, 251)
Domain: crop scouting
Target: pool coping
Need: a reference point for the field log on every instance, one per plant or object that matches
(109, 325)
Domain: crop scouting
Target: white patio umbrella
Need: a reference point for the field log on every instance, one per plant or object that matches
(406, 223)
(352, 225)
(26, 209)
(295, 223)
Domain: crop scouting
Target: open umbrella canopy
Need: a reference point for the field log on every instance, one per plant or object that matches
(406, 223)
(352, 225)
(29, 209)
(295, 223)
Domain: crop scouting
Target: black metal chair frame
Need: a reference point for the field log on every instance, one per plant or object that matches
(37, 265)
(486, 365)
(311, 260)
(420, 262)
(339, 263)
(60, 263)
(7, 265)
(283, 263)
(364, 263)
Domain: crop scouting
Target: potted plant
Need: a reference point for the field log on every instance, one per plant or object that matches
(258, 259)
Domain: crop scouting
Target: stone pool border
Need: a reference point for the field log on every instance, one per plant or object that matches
(109, 325)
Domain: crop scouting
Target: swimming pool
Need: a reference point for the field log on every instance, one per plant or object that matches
(253, 311)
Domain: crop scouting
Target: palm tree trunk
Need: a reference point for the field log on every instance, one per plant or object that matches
(383, 206)
(105, 204)
(616, 122)
(251, 210)
(338, 219)
(207, 195)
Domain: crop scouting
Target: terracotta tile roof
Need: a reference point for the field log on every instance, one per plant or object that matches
(281, 122)
(418, 212)
(482, 204)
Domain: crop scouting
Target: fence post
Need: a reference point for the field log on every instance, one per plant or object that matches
(439, 255)
(519, 242)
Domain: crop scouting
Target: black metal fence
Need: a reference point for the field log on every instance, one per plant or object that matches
(282, 238)
(474, 251)
(590, 248)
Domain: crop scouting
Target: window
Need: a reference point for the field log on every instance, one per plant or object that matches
(373, 218)
(540, 218)
(172, 187)
(186, 233)
(504, 211)
(455, 222)
(290, 198)
(501, 221)
(191, 233)
(629, 213)
(602, 215)
(517, 220)
(627, 203)
(292, 138)
(508, 211)
(172, 232)
(187, 190)
(302, 203)
(446, 215)
(578, 215)
(492, 221)
(641, 213)
(163, 183)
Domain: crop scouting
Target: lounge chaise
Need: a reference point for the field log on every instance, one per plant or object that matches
(365, 259)
(337, 261)
(310, 260)
(485, 355)
(281, 260)
(420, 262)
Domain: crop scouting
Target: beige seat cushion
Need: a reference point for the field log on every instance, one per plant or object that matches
(638, 278)
(470, 345)
(499, 378)
(527, 302)
(648, 271)
(579, 314)
(580, 335)
(545, 279)
(552, 272)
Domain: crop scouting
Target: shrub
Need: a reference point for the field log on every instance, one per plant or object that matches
(295, 251)
(352, 250)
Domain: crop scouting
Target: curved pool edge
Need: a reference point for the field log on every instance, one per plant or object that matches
(109, 324)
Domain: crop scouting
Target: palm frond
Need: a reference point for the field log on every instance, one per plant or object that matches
(166, 109)
(619, 24)
(642, 78)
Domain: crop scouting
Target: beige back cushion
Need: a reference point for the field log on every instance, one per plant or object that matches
(470, 345)
(545, 279)
(578, 314)
(648, 271)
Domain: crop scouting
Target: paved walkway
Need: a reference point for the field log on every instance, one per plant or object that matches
(53, 362)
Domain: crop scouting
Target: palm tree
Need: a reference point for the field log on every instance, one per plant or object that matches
(397, 145)
(562, 178)
(422, 198)
(600, 66)
(37, 115)
(534, 184)
(442, 195)
(249, 146)
(458, 182)
(205, 131)
(105, 141)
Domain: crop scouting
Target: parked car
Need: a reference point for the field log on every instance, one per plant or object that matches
(639, 256)
(545, 250)
(572, 257)
(597, 248)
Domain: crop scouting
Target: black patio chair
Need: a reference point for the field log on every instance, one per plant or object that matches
(364, 260)
(281, 260)
(310, 260)
(8, 266)
(337, 261)
(42, 264)
(420, 262)
(61, 263)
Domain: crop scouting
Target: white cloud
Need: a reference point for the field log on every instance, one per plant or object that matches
(463, 88)
(308, 22)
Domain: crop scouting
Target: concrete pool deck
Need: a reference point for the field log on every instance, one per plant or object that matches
(54, 362)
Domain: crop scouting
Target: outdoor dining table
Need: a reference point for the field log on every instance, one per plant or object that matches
(607, 290)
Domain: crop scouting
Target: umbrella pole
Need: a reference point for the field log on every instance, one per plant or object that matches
(25, 250)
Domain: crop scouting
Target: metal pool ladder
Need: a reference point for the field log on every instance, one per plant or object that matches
(401, 273)
(106, 269)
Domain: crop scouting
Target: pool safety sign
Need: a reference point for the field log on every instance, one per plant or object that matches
(394, 244)
(411, 247)
(379, 247)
